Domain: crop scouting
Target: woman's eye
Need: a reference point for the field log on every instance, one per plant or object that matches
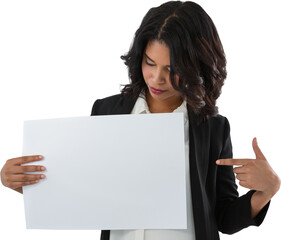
(149, 64)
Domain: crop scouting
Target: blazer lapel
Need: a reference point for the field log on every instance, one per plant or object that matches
(124, 106)
(199, 137)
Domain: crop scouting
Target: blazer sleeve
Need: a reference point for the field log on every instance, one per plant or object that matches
(95, 108)
(233, 213)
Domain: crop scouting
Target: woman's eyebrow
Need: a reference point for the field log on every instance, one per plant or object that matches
(148, 57)
(152, 60)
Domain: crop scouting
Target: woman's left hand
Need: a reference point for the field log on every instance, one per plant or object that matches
(255, 174)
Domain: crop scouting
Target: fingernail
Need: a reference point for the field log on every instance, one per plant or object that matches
(218, 162)
(255, 141)
(40, 157)
(42, 176)
(43, 168)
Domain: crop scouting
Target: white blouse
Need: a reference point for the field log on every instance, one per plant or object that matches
(141, 107)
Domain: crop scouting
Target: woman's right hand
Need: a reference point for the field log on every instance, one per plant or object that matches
(13, 173)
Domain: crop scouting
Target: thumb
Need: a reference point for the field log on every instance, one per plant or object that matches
(258, 152)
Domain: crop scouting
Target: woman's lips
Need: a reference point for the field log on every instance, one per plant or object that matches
(156, 91)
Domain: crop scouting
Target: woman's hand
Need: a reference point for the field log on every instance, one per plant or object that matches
(13, 173)
(255, 174)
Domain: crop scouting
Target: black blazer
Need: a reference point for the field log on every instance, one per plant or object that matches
(215, 200)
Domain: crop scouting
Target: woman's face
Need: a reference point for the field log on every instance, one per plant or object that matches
(156, 73)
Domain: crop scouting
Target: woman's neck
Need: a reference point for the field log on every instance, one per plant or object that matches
(162, 106)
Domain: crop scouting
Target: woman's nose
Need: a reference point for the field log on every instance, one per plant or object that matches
(158, 76)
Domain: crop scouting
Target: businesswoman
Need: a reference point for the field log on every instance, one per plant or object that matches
(177, 64)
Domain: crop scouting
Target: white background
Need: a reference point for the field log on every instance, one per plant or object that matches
(57, 57)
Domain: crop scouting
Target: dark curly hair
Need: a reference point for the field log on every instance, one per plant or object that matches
(196, 54)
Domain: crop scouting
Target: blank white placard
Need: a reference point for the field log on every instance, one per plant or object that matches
(108, 172)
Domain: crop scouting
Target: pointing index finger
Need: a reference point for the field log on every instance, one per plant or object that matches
(232, 162)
